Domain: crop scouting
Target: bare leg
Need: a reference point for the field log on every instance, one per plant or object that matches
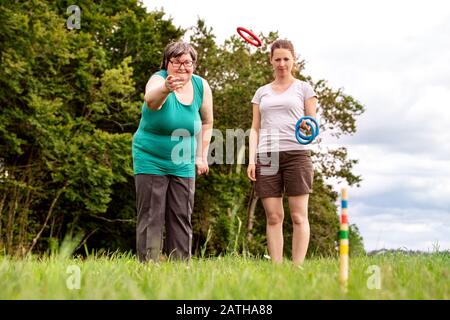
(298, 206)
(274, 227)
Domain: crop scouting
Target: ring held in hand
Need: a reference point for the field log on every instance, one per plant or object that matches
(312, 123)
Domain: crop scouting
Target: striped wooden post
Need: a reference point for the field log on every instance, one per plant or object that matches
(343, 240)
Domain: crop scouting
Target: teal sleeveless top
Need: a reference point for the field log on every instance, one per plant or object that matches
(164, 143)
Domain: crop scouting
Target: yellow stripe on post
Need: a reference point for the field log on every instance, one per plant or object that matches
(343, 249)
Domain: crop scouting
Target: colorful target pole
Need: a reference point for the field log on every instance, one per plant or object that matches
(343, 241)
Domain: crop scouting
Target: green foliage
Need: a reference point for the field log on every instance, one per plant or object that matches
(220, 207)
(356, 244)
(323, 219)
(69, 103)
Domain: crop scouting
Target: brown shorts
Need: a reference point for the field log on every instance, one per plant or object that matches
(292, 173)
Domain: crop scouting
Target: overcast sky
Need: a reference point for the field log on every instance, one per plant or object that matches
(393, 57)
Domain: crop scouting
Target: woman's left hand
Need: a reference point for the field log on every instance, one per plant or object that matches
(202, 166)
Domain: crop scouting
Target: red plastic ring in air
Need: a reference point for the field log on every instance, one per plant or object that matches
(255, 41)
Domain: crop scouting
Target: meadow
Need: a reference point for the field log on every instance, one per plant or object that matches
(231, 277)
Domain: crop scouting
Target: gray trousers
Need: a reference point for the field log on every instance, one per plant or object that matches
(164, 202)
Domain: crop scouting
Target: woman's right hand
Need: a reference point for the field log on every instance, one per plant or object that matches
(173, 83)
(251, 172)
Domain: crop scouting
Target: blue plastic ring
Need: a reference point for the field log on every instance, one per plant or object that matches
(312, 123)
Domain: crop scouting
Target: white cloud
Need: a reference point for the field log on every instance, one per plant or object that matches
(400, 179)
(391, 228)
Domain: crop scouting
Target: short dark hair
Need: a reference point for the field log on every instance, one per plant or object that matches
(175, 50)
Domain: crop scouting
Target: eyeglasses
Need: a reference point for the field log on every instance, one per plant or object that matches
(178, 64)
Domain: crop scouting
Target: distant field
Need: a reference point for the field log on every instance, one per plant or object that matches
(393, 276)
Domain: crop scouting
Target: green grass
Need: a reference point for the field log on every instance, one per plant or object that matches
(120, 276)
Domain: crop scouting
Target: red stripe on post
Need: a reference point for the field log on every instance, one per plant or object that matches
(344, 219)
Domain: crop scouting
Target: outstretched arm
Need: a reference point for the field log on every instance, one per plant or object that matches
(158, 88)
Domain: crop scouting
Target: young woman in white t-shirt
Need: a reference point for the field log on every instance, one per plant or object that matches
(278, 163)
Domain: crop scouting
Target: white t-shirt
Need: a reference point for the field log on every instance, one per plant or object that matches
(279, 114)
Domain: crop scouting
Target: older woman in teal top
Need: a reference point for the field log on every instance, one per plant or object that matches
(169, 148)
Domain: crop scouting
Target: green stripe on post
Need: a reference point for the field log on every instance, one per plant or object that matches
(343, 234)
